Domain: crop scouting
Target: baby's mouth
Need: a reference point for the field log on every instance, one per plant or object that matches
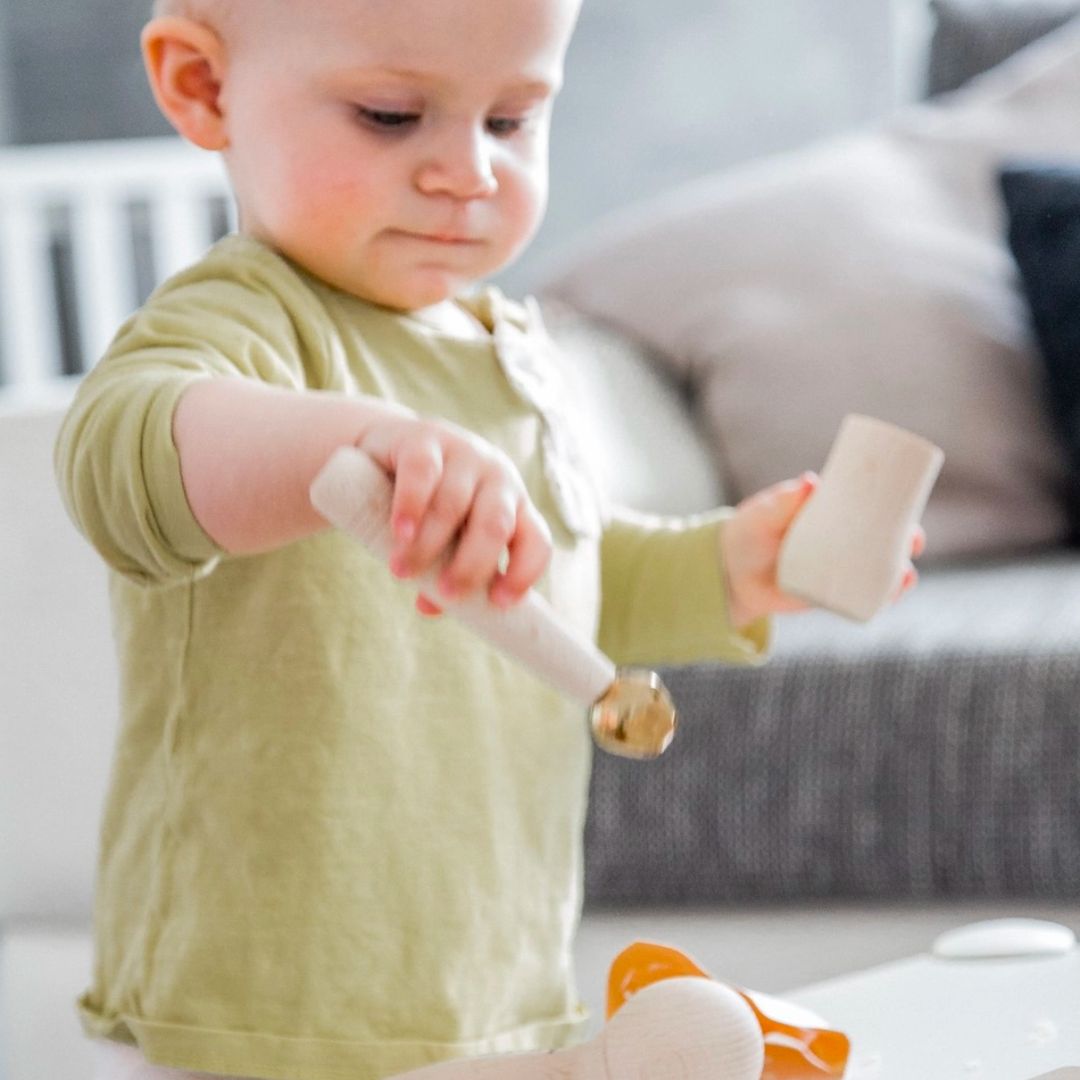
(446, 239)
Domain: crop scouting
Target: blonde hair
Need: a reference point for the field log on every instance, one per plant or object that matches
(218, 14)
(204, 10)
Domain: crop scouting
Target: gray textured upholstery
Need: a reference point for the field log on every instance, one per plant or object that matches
(932, 752)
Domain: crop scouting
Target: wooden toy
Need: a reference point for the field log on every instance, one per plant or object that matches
(630, 711)
(847, 548)
(795, 1049)
(678, 1029)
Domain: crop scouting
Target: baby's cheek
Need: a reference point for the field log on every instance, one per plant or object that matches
(524, 200)
(317, 197)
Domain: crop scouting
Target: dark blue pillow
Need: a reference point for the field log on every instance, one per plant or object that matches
(1043, 203)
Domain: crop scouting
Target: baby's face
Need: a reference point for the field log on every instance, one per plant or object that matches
(395, 148)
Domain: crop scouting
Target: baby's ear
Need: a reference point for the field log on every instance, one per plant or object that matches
(185, 62)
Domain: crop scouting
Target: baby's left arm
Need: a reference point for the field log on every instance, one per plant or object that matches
(750, 547)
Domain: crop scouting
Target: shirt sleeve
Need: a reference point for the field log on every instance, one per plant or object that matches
(116, 462)
(663, 593)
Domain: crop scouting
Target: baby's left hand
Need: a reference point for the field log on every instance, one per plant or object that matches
(751, 541)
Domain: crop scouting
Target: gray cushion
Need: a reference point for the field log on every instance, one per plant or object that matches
(932, 752)
(972, 36)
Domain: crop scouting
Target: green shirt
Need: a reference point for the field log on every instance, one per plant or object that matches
(342, 840)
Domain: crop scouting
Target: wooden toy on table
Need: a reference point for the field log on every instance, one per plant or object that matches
(678, 1029)
(847, 548)
(631, 713)
(797, 1046)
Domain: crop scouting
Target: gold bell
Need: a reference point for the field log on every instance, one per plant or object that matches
(635, 717)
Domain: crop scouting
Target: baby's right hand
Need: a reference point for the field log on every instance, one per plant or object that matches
(460, 499)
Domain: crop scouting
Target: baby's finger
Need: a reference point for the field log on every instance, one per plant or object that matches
(907, 582)
(418, 469)
(529, 551)
(480, 546)
(446, 513)
(918, 541)
(426, 607)
(775, 506)
(807, 485)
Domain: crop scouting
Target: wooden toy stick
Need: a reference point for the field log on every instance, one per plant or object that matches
(678, 1029)
(847, 548)
(631, 712)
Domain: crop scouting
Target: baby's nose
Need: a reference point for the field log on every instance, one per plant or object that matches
(459, 165)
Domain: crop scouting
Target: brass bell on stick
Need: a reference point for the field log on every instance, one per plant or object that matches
(630, 711)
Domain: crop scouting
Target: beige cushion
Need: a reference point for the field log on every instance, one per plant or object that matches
(632, 420)
(868, 275)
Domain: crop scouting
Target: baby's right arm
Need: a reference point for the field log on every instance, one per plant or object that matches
(249, 451)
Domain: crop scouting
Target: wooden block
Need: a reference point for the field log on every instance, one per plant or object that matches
(847, 549)
(678, 1029)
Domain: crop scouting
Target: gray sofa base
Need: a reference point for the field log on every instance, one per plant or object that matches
(934, 752)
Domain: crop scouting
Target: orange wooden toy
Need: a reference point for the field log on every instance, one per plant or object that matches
(791, 1052)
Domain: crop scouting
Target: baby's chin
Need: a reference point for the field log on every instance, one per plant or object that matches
(421, 290)
(382, 282)
(399, 296)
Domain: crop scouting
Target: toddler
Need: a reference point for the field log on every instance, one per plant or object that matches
(341, 840)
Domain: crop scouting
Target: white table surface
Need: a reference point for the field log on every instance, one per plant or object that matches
(43, 969)
(849, 962)
(926, 1018)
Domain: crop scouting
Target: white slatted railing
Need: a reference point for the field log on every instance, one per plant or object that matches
(73, 221)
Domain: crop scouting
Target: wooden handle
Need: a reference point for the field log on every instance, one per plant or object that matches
(354, 493)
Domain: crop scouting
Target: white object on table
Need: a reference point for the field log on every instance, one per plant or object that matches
(930, 1018)
(999, 938)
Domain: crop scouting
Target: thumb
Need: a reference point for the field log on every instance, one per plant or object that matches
(783, 501)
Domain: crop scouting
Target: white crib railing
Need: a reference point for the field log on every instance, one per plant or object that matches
(86, 230)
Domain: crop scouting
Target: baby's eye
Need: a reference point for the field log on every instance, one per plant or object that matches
(387, 119)
(505, 125)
